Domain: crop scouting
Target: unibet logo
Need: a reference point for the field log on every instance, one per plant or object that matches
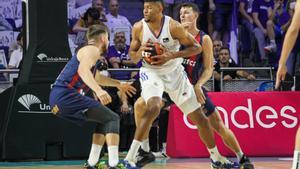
(28, 99)
(44, 58)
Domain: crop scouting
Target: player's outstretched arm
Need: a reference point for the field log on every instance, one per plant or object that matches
(107, 81)
(288, 44)
(87, 57)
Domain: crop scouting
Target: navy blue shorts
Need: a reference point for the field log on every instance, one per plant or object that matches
(70, 105)
(208, 106)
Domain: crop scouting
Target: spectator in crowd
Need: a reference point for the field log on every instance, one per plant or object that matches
(118, 57)
(207, 8)
(245, 9)
(99, 5)
(246, 20)
(4, 24)
(217, 45)
(17, 54)
(222, 20)
(278, 26)
(226, 61)
(262, 16)
(90, 17)
(117, 22)
(14, 45)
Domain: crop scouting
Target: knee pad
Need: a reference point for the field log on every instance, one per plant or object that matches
(113, 126)
(99, 129)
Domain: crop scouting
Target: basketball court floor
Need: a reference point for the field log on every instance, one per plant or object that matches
(259, 163)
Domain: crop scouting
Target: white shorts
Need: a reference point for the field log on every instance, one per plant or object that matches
(175, 83)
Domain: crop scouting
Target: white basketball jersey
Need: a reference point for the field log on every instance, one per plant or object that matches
(166, 40)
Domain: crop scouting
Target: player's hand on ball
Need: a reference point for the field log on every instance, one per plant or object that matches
(127, 88)
(200, 95)
(104, 97)
(145, 46)
(162, 59)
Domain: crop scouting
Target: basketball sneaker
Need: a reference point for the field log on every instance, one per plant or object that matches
(100, 165)
(245, 163)
(129, 165)
(224, 164)
(144, 158)
(216, 164)
(119, 166)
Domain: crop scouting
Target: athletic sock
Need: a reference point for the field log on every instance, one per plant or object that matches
(133, 151)
(113, 155)
(240, 155)
(94, 154)
(214, 154)
(296, 160)
(145, 145)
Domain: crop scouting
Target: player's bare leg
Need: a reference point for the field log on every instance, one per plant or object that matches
(229, 139)
(143, 127)
(296, 160)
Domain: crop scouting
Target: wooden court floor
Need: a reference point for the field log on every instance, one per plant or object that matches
(259, 163)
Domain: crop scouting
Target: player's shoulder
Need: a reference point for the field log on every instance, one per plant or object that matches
(174, 23)
(89, 50)
(138, 25)
(206, 37)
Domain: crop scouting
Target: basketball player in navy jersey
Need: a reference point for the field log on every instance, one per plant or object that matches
(288, 44)
(165, 73)
(199, 69)
(67, 98)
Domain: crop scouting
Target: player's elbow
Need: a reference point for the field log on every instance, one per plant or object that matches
(210, 71)
(135, 58)
(82, 71)
(198, 48)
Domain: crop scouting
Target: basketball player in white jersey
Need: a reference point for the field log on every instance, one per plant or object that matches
(199, 69)
(289, 42)
(165, 74)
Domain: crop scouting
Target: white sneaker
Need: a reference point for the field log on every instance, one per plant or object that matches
(160, 155)
(271, 48)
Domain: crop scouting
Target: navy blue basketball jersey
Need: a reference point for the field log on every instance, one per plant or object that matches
(194, 64)
(69, 77)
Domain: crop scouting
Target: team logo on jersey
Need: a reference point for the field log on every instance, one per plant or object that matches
(165, 40)
(55, 110)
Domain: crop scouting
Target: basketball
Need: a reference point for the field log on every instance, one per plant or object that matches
(156, 49)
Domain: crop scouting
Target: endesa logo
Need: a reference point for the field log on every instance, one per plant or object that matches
(262, 117)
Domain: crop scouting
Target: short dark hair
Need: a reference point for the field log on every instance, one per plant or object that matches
(96, 30)
(190, 5)
(93, 13)
(225, 48)
(160, 1)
